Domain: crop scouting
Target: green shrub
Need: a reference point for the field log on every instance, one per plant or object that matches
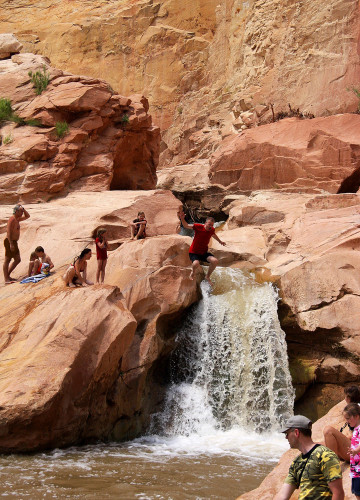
(7, 139)
(7, 114)
(40, 80)
(125, 119)
(61, 129)
(5, 109)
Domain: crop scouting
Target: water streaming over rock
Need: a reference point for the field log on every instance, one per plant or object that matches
(230, 368)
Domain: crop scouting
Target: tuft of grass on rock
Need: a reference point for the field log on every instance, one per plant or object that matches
(8, 139)
(61, 129)
(40, 80)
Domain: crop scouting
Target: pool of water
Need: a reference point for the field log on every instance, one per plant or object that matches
(215, 466)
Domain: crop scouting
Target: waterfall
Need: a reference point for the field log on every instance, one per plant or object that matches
(230, 369)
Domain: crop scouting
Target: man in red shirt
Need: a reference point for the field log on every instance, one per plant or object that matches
(198, 251)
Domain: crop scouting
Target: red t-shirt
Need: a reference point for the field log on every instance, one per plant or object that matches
(201, 239)
(101, 253)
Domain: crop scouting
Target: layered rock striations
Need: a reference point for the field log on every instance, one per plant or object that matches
(76, 135)
(210, 69)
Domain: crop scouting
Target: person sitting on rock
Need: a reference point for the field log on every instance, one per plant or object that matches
(34, 264)
(44, 258)
(339, 440)
(76, 273)
(138, 227)
(101, 253)
(198, 251)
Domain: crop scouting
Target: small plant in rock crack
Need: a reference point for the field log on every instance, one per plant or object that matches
(7, 139)
(40, 80)
(61, 129)
(125, 119)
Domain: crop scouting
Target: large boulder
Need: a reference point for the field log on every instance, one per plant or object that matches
(107, 142)
(84, 364)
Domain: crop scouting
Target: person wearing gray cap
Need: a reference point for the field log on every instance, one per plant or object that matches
(316, 471)
(11, 242)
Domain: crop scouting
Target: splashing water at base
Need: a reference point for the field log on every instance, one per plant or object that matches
(230, 369)
(230, 382)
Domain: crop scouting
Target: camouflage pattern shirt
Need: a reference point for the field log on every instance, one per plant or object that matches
(320, 466)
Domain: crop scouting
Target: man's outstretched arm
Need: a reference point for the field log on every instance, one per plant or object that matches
(184, 223)
(286, 491)
(219, 240)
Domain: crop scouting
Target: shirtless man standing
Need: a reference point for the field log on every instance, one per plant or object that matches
(11, 242)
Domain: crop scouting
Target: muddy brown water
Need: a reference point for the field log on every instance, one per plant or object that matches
(138, 470)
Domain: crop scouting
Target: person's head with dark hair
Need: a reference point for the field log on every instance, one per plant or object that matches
(98, 232)
(351, 410)
(39, 251)
(352, 394)
(85, 254)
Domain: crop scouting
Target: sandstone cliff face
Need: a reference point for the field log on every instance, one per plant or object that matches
(110, 142)
(227, 61)
(84, 364)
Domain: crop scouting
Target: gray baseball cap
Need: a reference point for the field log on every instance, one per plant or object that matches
(297, 422)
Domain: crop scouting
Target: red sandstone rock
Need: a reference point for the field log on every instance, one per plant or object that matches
(292, 154)
(108, 151)
(83, 364)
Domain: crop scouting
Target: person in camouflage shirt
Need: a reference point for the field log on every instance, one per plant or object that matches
(316, 471)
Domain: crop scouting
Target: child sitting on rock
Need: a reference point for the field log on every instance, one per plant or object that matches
(44, 258)
(138, 227)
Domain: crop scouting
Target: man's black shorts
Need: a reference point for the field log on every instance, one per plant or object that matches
(203, 257)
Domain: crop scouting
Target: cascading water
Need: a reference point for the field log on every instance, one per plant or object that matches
(230, 369)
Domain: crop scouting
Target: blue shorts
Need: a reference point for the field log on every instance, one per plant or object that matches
(355, 486)
(202, 257)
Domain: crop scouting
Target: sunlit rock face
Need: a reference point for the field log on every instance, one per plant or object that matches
(292, 155)
(109, 141)
(209, 69)
(83, 364)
